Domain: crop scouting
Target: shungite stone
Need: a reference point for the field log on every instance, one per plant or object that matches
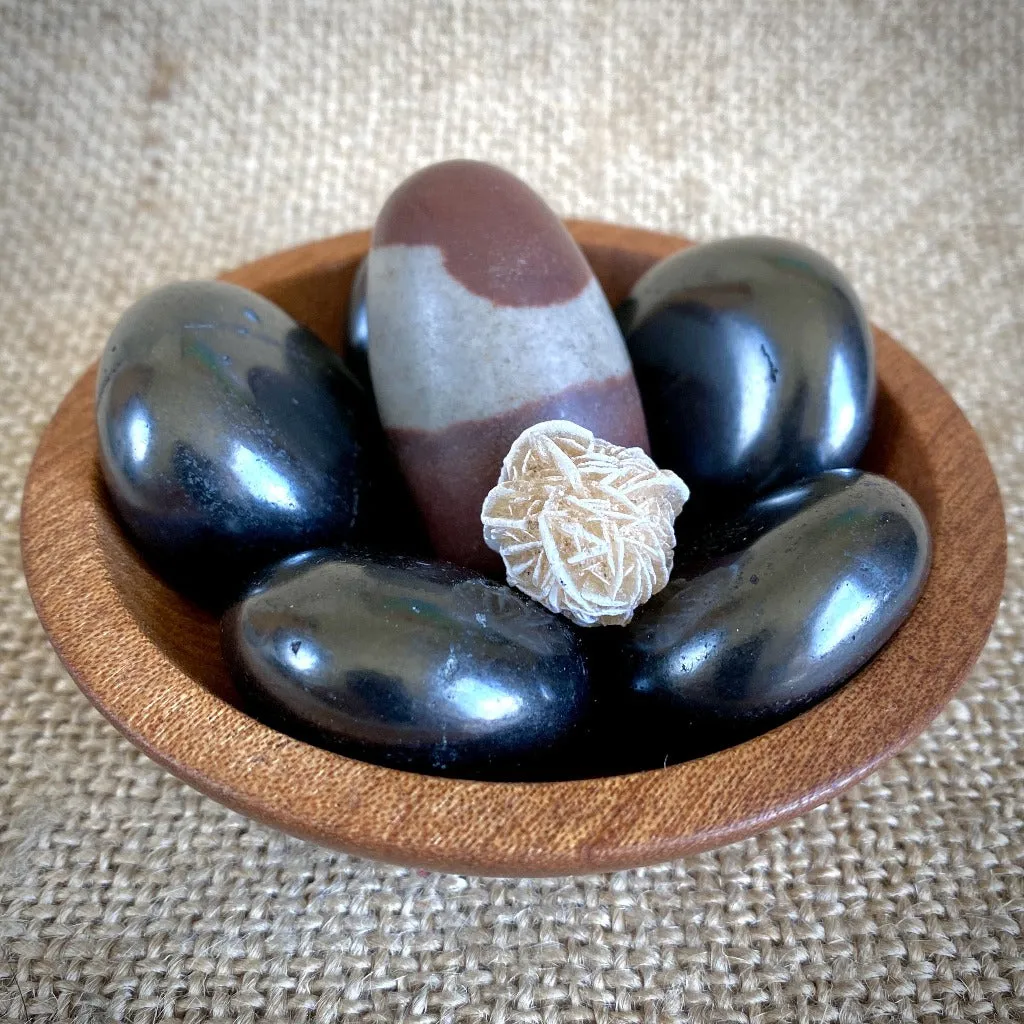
(230, 436)
(416, 665)
(767, 614)
(755, 365)
(357, 330)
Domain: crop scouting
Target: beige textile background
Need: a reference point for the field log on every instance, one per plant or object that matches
(147, 140)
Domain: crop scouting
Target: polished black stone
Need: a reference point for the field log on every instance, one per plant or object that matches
(229, 436)
(411, 664)
(766, 614)
(357, 330)
(755, 364)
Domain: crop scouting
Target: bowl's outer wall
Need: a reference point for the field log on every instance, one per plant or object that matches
(151, 662)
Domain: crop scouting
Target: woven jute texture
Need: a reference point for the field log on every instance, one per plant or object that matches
(154, 140)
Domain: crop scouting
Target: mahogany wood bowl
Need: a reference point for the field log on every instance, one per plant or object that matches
(151, 662)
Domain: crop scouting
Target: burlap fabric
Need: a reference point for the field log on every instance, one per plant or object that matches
(153, 140)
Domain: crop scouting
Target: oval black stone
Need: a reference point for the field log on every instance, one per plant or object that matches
(415, 665)
(755, 364)
(768, 613)
(229, 436)
(357, 330)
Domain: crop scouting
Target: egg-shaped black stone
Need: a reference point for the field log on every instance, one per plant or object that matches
(411, 664)
(755, 364)
(229, 435)
(357, 329)
(767, 613)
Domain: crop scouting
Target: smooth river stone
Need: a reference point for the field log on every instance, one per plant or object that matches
(357, 333)
(755, 364)
(230, 436)
(410, 664)
(768, 613)
(485, 319)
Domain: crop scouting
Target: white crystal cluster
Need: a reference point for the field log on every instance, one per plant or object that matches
(583, 526)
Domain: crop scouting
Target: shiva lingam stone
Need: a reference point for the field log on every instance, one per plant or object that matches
(485, 319)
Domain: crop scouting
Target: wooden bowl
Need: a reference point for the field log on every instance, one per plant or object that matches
(151, 662)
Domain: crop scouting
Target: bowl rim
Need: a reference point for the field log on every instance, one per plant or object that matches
(510, 829)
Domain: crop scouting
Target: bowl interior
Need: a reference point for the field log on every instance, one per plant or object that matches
(318, 297)
(150, 660)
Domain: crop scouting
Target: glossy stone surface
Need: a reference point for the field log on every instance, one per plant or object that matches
(485, 319)
(229, 436)
(410, 664)
(770, 612)
(755, 364)
(357, 330)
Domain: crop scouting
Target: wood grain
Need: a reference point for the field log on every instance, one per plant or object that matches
(150, 662)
